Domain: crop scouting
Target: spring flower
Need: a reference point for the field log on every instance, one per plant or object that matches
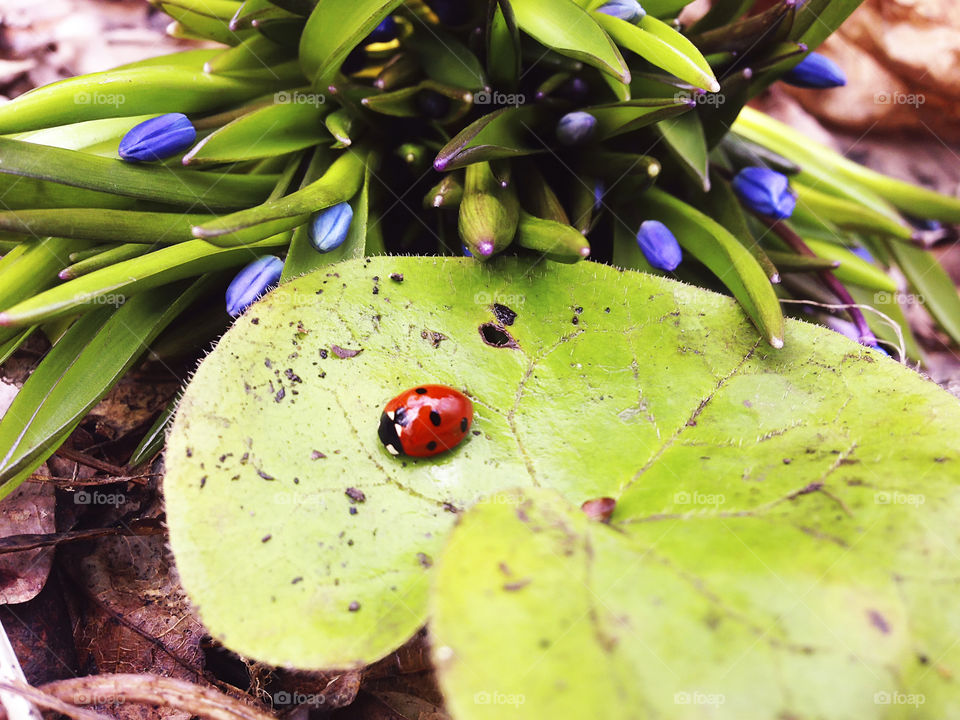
(253, 281)
(659, 246)
(575, 128)
(384, 32)
(158, 138)
(765, 191)
(629, 10)
(329, 227)
(816, 71)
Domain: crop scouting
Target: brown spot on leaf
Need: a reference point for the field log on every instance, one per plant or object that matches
(344, 353)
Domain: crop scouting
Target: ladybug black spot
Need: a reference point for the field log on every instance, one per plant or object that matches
(435, 418)
(463, 425)
(421, 391)
(432, 445)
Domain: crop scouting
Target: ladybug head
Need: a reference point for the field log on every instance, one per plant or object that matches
(389, 435)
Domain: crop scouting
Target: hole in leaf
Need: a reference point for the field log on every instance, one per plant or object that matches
(495, 336)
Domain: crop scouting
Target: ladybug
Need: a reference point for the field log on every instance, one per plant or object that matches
(425, 420)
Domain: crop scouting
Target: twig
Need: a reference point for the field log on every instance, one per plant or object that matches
(38, 697)
(17, 707)
(154, 690)
(79, 457)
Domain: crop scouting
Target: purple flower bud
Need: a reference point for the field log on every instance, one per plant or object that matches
(659, 245)
(253, 281)
(628, 10)
(862, 253)
(816, 71)
(158, 138)
(384, 32)
(575, 128)
(328, 228)
(765, 191)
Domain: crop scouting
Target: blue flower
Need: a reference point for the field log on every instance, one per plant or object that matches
(384, 32)
(765, 191)
(328, 228)
(629, 10)
(253, 281)
(862, 253)
(659, 245)
(816, 71)
(466, 252)
(158, 138)
(575, 128)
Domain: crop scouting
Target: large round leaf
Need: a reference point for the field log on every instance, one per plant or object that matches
(302, 541)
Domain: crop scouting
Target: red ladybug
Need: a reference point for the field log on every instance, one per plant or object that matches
(425, 420)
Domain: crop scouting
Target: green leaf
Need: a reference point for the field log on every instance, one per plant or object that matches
(33, 267)
(623, 117)
(134, 91)
(661, 45)
(183, 188)
(104, 225)
(77, 372)
(813, 204)
(830, 170)
(933, 287)
(293, 123)
(446, 60)
(504, 133)
(566, 28)
(302, 257)
(114, 284)
(728, 259)
(686, 142)
(338, 184)
(334, 28)
(681, 398)
(852, 268)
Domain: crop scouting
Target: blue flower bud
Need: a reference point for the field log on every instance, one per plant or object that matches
(765, 191)
(628, 10)
(816, 71)
(384, 32)
(158, 138)
(862, 253)
(253, 281)
(924, 223)
(465, 250)
(599, 191)
(659, 245)
(328, 228)
(575, 128)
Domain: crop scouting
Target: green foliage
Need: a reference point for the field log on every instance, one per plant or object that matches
(768, 514)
